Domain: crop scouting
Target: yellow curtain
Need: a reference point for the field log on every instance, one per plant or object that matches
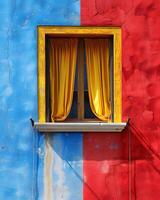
(62, 58)
(97, 61)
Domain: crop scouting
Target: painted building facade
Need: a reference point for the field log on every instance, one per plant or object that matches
(80, 166)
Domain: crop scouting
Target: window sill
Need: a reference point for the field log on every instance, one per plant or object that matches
(79, 127)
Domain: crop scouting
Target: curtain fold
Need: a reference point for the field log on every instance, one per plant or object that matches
(97, 61)
(62, 61)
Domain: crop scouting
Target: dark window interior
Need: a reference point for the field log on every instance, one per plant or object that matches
(80, 109)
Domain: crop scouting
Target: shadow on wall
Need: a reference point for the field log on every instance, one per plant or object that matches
(115, 146)
(110, 157)
(105, 146)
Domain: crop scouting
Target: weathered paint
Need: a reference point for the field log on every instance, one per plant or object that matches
(122, 171)
(22, 151)
(67, 167)
(111, 169)
(48, 163)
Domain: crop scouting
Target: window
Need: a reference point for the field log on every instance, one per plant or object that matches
(88, 105)
(80, 97)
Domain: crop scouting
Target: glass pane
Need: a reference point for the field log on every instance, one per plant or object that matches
(73, 112)
(87, 109)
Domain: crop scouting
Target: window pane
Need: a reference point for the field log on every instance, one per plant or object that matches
(87, 109)
(73, 112)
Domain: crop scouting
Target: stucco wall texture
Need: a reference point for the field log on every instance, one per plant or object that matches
(105, 168)
(89, 166)
(22, 150)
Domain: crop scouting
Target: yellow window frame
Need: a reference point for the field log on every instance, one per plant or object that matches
(43, 31)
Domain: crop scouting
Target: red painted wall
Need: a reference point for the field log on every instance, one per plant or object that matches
(111, 169)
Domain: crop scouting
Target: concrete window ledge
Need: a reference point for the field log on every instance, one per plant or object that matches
(79, 127)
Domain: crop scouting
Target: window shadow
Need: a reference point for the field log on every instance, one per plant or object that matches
(103, 146)
(115, 148)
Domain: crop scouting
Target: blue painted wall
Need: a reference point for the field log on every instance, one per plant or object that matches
(22, 151)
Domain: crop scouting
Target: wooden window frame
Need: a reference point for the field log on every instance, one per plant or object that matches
(73, 31)
(80, 81)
